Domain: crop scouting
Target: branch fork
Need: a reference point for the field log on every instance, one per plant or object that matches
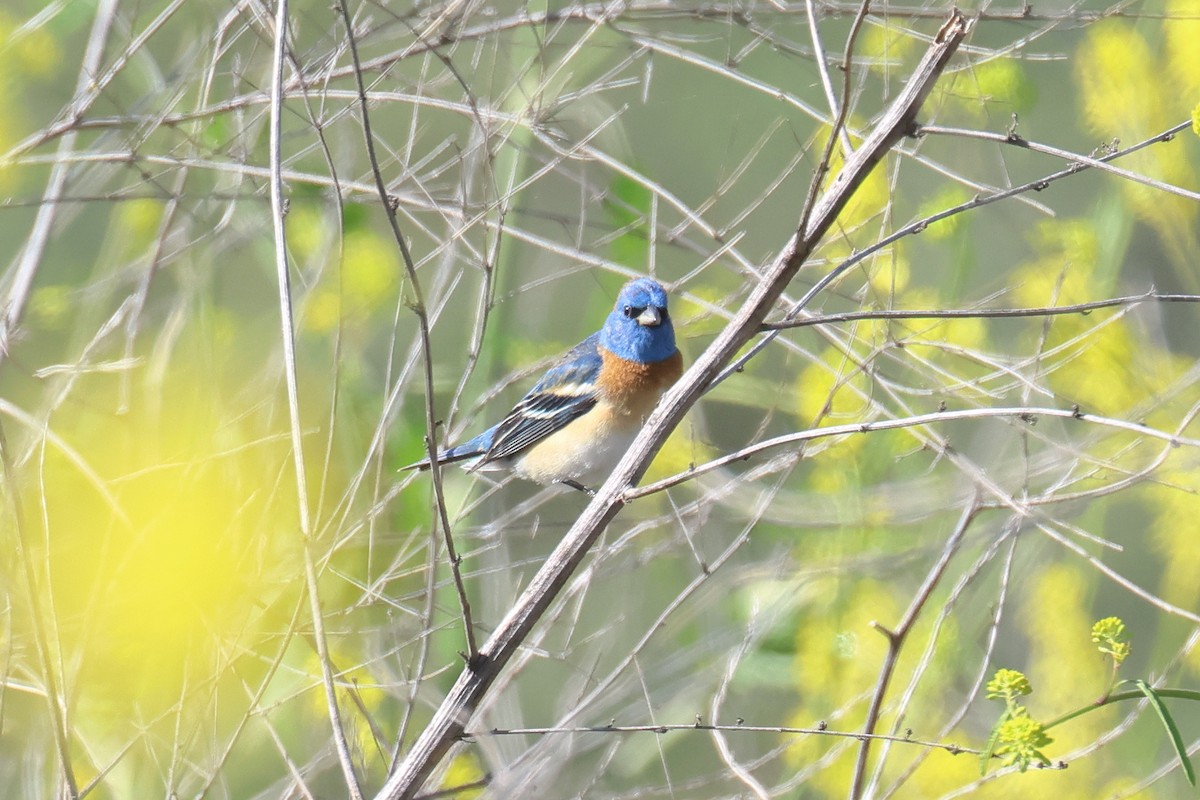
(457, 709)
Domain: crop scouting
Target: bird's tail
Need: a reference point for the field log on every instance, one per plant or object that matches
(451, 456)
(476, 449)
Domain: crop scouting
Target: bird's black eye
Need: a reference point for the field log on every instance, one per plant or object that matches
(633, 311)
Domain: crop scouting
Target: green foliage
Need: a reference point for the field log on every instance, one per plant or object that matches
(1164, 716)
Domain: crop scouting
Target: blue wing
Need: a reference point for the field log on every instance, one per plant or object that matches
(565, 392)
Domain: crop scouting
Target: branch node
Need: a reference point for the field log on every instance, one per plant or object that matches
(891, 635)
(1013, 136)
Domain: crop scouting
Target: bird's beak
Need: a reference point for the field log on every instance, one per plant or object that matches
(650, 318)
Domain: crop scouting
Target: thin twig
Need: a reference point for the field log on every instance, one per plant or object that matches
(823, 71)
(1023, 413)
(54, 691)
(921, 224)
(451, 791)
(1080, 160)
(740, 771)
(1023, 13)
(820, 730)
(288, 338)
(897, 636)
(1150, 295)
(26, 268)
(419, 310)
(816, 186)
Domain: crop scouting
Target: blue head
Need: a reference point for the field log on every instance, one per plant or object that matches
(639, 328)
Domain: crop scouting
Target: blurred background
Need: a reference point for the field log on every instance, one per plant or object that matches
(155, 633)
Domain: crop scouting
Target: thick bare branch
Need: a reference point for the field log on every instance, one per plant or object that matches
(472, 685)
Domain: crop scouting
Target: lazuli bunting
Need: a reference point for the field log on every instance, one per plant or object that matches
(580, 418)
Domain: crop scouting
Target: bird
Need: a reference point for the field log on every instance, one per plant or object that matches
(579, 419)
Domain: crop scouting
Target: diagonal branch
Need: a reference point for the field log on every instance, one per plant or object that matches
(1078, 160)
(456, 710)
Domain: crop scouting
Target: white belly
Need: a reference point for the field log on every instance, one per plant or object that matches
(585, 451)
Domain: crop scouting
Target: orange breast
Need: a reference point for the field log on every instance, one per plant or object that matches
(588, 447)
(633, 389)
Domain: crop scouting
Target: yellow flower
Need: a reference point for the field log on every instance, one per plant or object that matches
(1007, 685)
(1020, 741)
(1109, 636)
